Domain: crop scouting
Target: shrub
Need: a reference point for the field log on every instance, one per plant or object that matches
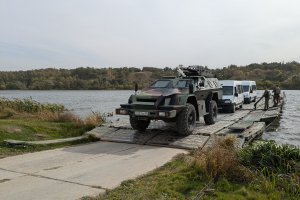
(221, 161)
(30, 106)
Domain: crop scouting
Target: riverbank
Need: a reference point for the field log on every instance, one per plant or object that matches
(261, 171)
(28, 120)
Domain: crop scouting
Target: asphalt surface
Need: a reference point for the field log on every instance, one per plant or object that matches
(74, 172)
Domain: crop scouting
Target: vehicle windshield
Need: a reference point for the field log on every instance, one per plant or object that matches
(183, 83)
(246, 88)
(160, 83)
(227, 90)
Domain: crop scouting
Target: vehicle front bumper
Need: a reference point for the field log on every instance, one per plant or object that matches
(247, 99)
(225, 106)
(147, 114)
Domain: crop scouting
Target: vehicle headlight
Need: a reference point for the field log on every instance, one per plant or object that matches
(123, 112)
(227, 101)
(162, 114)
(246, 95)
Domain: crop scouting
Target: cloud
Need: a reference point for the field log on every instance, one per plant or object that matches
(70, 34)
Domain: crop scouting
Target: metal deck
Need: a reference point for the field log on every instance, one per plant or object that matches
(244, 125)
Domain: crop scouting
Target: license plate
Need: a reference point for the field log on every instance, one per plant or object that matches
(143, 113)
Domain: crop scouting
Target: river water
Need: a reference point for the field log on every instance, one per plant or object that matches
(286, 129)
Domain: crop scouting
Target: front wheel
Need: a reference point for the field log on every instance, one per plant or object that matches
(138, 124)
(186, 120)
(233, 108)
(211, 117)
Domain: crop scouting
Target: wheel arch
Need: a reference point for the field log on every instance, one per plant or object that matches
(215, 97)
(192, 100)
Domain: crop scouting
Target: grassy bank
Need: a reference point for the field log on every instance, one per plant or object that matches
(238, 174)
(29, 120)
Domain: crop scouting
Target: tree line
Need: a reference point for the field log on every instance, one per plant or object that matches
(287, 75)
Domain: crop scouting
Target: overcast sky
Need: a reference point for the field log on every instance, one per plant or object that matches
(68, 34)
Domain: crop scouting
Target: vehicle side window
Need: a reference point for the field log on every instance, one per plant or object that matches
(254, 87)
(235, 90)
(209, 83)
(238, 89)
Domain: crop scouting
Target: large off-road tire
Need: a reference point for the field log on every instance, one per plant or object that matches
(186, 120)
(139, 124)
(233, 108)
(211, 117)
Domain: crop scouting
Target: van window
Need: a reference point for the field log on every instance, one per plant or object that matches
(241, 89)
(246, 88)
(227, 90)
(254, 87)
(238, 89)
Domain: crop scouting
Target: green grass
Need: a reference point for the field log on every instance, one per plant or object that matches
(29, 120)
(34, 130)
(185, 176)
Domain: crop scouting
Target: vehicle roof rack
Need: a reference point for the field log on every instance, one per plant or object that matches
(197, 70)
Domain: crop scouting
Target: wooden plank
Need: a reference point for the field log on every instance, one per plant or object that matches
(253, 131)
(130, 136)
(241, 125)
(171, 139)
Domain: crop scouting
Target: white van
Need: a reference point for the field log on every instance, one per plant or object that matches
(233, 96)
(250, 91)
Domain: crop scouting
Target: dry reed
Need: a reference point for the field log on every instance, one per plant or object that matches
(221, 160)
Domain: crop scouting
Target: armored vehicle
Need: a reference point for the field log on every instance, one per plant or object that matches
(183, 99)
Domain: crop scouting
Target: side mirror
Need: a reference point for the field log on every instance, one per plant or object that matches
(191, 88)
(136, 87)
(236, 94)
(251, 91)
(201, 84)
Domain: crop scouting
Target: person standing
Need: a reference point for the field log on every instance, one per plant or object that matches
(276, 92)
(267, 97)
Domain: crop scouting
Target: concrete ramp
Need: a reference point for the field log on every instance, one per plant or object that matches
(130, 136)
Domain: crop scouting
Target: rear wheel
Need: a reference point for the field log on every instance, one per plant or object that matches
(254, 99)
(186, 120)
(139, 124)
(211, 117)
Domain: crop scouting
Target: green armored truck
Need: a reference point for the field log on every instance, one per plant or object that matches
(183, 99)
